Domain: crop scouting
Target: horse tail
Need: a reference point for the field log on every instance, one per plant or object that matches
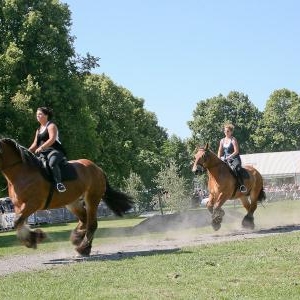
(117, 201)
(262, 195)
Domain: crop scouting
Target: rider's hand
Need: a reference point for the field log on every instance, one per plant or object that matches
(39, 150)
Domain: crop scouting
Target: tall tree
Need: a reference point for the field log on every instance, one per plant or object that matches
(129, 136)
(175, 149)
(173, 187)
(279, 128)
(210, 115)
(38, 67)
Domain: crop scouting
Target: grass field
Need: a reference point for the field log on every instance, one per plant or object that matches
(261, 268)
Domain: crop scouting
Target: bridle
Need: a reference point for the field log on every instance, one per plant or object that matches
(204, 156)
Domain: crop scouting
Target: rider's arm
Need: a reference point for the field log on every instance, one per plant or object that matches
(235, 147)
(33, 146)
(220, 151)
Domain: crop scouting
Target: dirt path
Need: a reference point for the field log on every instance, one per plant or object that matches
(134, 247)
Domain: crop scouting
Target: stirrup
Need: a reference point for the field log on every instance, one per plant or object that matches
(243, 189)
(60, 187)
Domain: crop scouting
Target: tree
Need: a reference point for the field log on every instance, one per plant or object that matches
(173, 187)
(176, 149)
(210, 115)
(38, 67)
(279, 127)
(134, 187)
(129, 136)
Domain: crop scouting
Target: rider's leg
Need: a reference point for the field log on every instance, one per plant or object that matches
(237, 169)
(240, 179)
(54, 161)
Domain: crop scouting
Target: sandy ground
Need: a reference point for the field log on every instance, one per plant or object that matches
(136, 246)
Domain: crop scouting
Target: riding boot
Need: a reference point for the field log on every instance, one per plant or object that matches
(240, 179)
(57, 178)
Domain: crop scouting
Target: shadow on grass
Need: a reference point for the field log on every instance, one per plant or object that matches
(279, 229)
(112, 256)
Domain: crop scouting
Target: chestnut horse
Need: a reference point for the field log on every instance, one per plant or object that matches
(30, 191)
(223, 185)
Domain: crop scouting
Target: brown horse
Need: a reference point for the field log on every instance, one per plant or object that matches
(30, 191)
(223, 185)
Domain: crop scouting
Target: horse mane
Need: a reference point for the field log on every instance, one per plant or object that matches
(26, 156)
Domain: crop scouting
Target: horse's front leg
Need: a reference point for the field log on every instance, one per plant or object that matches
(210, 203)
(28, 237)
(217, 213)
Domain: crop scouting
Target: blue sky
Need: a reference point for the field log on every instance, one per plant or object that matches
(175, 53)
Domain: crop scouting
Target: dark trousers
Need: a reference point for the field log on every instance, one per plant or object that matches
(54, 158)
(236, 166)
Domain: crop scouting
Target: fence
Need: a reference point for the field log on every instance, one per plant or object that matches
(49, 216)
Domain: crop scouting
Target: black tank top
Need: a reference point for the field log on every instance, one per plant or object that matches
(42, 137)
(228, 149)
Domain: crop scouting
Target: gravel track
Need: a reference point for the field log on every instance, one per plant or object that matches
(136, 247)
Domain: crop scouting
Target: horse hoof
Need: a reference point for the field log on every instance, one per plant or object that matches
(216, 226)
(84, 251)
(248, 222)
(40, 235)
(76, 237)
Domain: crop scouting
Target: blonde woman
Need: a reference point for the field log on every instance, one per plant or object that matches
(229, 152)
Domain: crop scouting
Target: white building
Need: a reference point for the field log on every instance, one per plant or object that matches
(280, 167)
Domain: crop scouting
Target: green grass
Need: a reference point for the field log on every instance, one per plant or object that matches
(265, 268)
(262, 268)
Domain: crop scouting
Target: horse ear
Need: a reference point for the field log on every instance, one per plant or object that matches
(206, 146)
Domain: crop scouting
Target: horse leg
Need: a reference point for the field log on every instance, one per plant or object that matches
(216, 212)
(248, 220)
(78, 209)
(30, 238)
(217, 217)
(84, 248)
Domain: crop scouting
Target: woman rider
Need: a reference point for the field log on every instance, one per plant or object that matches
(229, 152)
(46, 143)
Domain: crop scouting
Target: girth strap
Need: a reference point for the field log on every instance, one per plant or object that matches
(50, 195)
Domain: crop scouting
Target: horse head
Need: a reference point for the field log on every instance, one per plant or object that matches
(204, 157)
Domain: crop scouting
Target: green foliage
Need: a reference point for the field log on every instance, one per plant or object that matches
(38, 68)
(211, 114)
(176, 149)
(279, 128)
(104, 122)
(173, 187)
(129, 136)
(134, 187)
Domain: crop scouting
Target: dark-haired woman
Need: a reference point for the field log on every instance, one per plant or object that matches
(46, 143)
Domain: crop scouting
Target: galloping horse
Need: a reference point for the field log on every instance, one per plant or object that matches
(223, 185)
(30, 191)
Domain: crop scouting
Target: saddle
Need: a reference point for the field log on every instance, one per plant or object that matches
(243, 173)
(68, 172)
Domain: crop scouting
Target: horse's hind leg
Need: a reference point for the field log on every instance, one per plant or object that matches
(78, 209)
(84, 248)
(248, 220)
